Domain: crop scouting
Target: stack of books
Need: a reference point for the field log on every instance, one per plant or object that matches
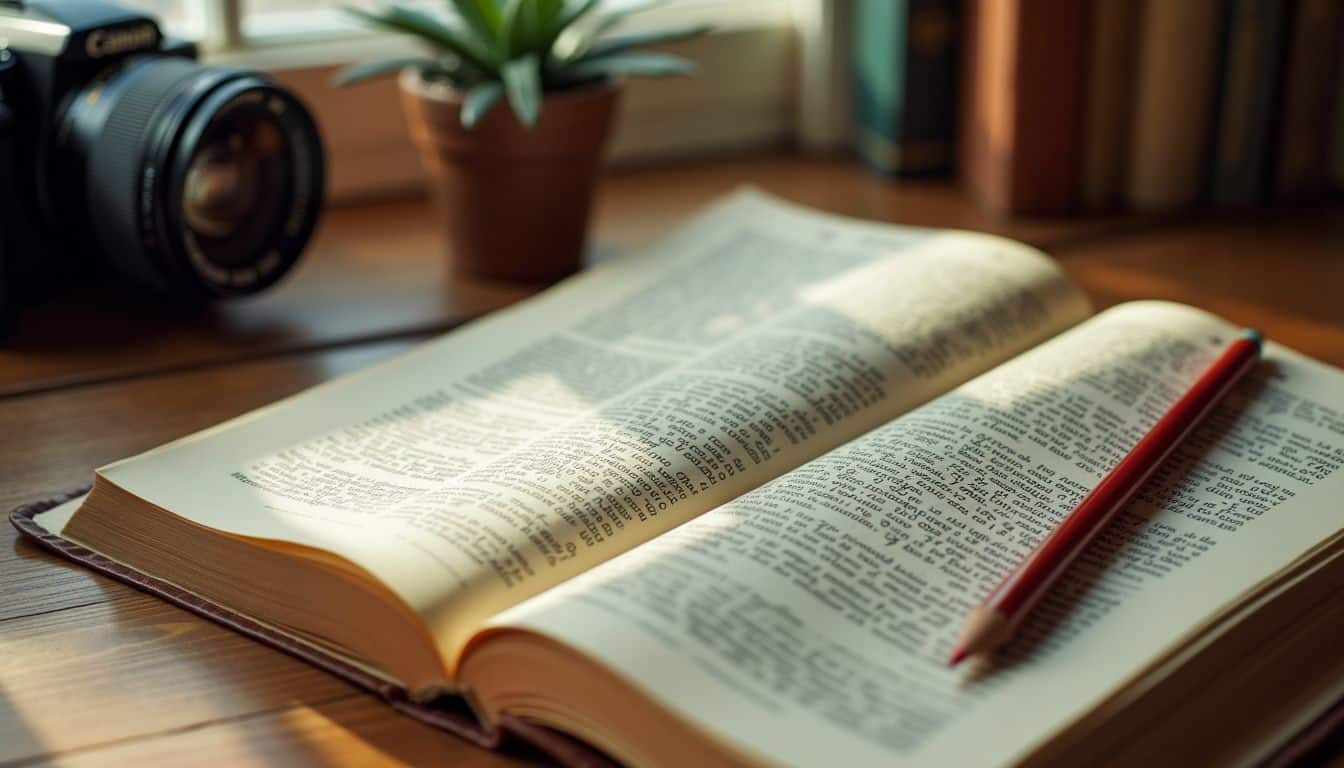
(1056, 106)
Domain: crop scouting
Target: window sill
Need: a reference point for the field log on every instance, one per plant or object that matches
(742, 96)
(329, 38)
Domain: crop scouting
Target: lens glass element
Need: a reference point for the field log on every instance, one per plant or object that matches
(236, 186)
(197, 181)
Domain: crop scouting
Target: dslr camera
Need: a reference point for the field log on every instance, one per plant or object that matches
(120, 153)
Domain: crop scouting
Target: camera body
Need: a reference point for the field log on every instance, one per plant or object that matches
(53, 50)
(120, 153)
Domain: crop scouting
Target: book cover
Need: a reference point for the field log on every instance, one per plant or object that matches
(1109, 101)
(1312, 65)
(904, 62)
(1173, 101)
(1022, 99)
(1337, 143)
(1251, 55)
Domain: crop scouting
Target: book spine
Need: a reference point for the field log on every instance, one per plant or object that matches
(1024, 73)
(1252, 53)
(1313, 63)
(1173, 100)
(904, 67)
(1109, 101)
(1337, 143)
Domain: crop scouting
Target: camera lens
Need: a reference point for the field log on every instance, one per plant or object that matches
(196, 180)
(233, 192)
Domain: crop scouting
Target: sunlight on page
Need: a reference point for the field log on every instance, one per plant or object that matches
(360, 472)
(498, 461)
(815, 613)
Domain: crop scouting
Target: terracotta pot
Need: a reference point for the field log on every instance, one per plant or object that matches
(515, 200)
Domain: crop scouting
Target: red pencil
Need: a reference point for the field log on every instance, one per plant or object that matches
(998, 617)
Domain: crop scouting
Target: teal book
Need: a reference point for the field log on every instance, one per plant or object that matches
(905, 81)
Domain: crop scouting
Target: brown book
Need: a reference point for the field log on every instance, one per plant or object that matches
(1337, 144)
(1021, 131)
(1174, 89)
(1306, 129)
(1109, 90)
(723, 503)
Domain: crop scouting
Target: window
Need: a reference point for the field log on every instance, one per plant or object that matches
(272, 21)
(744, 95)
(175, 17)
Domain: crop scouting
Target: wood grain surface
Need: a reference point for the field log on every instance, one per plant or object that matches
(380, 271)
(1282, 273)
(94, 673)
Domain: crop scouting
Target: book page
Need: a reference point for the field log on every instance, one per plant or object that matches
(504, 458)
(810, 620)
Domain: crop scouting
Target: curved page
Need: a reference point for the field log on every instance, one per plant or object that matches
(498, 461)
(809, 622)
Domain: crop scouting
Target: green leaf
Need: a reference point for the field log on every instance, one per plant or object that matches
(526, 23)
(358, 73)
(479, 101)
(572, 11)
(546, 14)
(483, 17)
(622, 43)
(513, 9)
(522, 84)
(431, 30)
(642, 64)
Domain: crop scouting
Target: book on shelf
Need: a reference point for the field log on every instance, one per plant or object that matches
(1312, 65)
(1246, 106)
(1020, 144)
(724, 502)
(1337, 139)
(1109, 99)
(904, 64)
(1174, 85)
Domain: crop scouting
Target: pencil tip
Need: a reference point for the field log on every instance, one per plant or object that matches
(985, 630)
(1254, 335)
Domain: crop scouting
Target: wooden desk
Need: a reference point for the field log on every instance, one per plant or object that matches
(93, 672)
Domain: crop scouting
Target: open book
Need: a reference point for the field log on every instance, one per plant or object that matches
(727, 501)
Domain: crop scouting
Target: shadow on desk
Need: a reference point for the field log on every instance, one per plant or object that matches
(16, 735)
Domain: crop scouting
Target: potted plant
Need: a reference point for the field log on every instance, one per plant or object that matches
(516, 184)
